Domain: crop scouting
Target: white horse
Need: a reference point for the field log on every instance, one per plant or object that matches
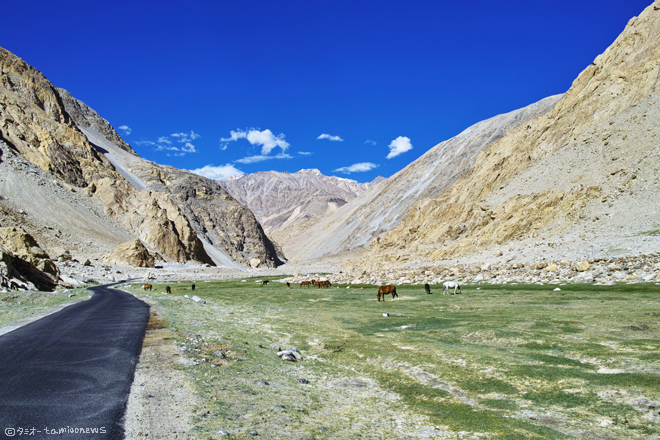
(451, 285)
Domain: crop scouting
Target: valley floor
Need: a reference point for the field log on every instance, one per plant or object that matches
(498, 361)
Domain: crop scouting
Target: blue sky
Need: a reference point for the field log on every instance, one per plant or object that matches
(354, 88)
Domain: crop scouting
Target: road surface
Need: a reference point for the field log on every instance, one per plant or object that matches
(72, 371)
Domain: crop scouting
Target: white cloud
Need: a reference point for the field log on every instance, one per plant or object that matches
(266, 139)
(185, 137)
(398, 146)
(145, 143)
(126, 130)
(357, 168)
(370, 142)
(331, 138)
(164, 143)
(222, 172)
(305, 153)
(235, 135)
(261, 158)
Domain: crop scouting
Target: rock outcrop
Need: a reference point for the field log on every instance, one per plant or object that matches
(23, 264)
(170, 210)
(35, 123)
(582, 163)
(132, 253)
(212, 213)
(25, 247)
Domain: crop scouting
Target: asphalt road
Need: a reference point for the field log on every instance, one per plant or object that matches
(73, 369)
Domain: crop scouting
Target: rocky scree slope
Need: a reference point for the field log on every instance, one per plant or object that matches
(383, 206)
(587, 170)
(282, 199)
(228, 230)
(84, 200)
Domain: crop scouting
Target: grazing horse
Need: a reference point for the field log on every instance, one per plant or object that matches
(427, 288)
(323, 284)
(193, 287)
(288, 284)
(314, 283)
(384, 290)
(451, 285)
(168, 289)
(147, 287)
(264, 282)
(304, 283)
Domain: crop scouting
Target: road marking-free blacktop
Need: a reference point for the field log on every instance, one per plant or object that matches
(70, 373)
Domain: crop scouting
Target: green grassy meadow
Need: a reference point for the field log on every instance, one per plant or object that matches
(499, 361)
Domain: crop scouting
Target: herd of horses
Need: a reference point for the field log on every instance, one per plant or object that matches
(320, 284)
(382, 291)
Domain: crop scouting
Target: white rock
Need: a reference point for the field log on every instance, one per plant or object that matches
(387, 315)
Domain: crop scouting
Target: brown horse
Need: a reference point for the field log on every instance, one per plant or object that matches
(384, 290)
(168, 289)
(324, 284)
(288, 284)
(304, 283)
(147, 287)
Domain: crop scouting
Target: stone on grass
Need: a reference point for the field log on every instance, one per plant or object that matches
(275, 347)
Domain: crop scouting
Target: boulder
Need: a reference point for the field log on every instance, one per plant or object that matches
(255, 262)
(24, 246)
(582, 266)
(132, 253)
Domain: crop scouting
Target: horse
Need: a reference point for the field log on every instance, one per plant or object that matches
(427, 288)
(451, 285)
(147, 287)
(314, 283)
(264, 282)
(324, 284)
(288, 284)
(304, 283)
(168, 289)
(193, 287)
(384, 290)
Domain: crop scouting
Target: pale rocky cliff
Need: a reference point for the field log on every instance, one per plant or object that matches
(382, 207)
(580, 178)
(77, 195)
(281, 199)
(229, 232)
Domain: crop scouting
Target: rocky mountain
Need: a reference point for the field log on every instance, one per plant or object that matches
(65, 179)
(581, 178)
(281, 199)
(384, 205)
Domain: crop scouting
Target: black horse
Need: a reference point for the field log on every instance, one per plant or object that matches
(427, 288)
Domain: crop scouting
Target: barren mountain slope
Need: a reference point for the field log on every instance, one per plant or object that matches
(34, 124)
(218, 219)
(588, 167)
(82, 197)
(280, 199)
(382, 207)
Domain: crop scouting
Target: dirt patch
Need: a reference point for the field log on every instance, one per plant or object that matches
(161, 400)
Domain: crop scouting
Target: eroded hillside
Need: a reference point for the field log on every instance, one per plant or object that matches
(584, 170)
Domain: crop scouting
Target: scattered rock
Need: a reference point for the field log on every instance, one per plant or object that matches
(387, 315)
